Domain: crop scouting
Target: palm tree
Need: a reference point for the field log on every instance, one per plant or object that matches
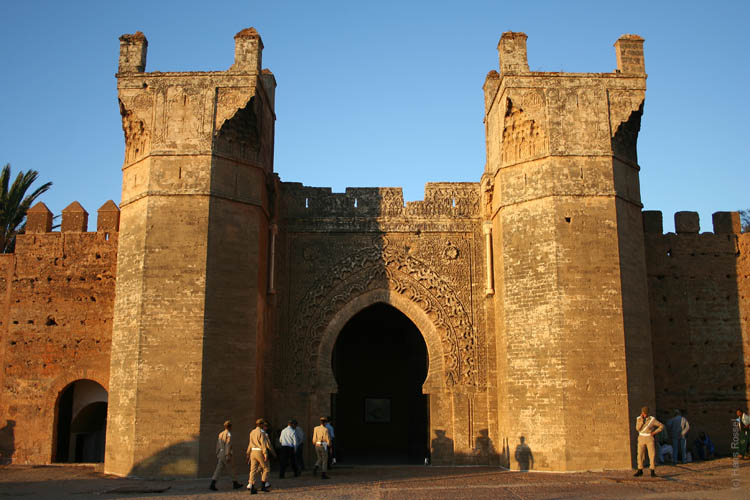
(14, 203)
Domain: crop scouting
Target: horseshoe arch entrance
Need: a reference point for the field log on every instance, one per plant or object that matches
(379, 360)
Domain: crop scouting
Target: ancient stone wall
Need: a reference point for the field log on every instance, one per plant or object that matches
(340, 252)
(699, 294)
(56, 323)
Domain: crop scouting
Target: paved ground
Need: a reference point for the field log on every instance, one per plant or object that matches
(717, 479)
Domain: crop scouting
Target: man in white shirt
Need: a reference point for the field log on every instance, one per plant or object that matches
(288, 441)
(647, 427)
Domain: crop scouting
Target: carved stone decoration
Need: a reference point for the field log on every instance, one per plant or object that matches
(185, 108)
(376, 267)
(137, 134)
(451, 252)
(523, 137)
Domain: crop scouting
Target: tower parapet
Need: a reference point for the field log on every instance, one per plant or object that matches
(39, 219)
(629, 50)
(74, 219)
(133, 49)
(689, 222)
(248, 51)
(512, 51)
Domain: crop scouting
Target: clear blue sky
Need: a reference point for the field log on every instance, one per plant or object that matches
(379, 93)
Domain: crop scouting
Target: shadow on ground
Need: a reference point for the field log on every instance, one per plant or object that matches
(714, 479)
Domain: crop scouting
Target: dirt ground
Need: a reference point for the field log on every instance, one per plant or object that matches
(717, 479)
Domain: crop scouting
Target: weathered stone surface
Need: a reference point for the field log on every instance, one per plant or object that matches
(57, 299)
(551, 307)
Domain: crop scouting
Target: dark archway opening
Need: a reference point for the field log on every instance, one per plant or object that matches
(81, 423)
(380, 414)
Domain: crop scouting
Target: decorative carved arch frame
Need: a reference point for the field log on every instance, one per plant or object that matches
(380, 273)
(435, 369)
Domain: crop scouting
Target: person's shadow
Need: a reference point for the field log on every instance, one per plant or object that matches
(7, 442)
(483, 444)
(442, 447)
(523, 455)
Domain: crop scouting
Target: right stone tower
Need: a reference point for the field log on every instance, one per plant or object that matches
(574, 360)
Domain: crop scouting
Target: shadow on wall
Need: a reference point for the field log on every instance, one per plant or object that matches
(484, 452)
(7, 442)
(178, 460)
(523, 455)
(441, 448)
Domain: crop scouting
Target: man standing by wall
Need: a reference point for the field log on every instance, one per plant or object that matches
(678, 428)
(257, 456)
(288, 441)
(321, 440)
(224, 456)
(647, 427)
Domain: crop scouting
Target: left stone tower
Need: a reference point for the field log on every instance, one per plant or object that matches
(190, 309)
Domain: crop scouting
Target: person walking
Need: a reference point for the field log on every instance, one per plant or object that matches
(224, 457)
(257, 456)
(647, 427)
(288, 442)
(678, 428)
(300, 449)
(332, 444)
(322, 440)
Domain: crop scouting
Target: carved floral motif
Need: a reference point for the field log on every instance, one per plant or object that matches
(523, 137)
(372, 268)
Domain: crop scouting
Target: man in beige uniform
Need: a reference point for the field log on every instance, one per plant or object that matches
(647, 427)
(224, 456)
(257, 456)
(321, 440)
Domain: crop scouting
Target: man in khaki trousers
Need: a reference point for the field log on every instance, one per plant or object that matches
(647, 427)
(322, 441)
(257, 456)
(224, 457)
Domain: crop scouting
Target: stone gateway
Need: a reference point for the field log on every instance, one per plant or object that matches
(522, 320)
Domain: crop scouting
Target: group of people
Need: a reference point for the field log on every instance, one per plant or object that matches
(678, 426)
(290, 443)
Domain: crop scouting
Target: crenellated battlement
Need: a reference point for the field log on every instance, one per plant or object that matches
(448, 199)
(74, 219)
(689, 223)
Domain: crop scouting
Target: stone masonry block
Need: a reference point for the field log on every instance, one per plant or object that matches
(653, 221)
(39, 219)
(629, 50)
(133, 50)
(108, 218)
(687, 222)
(727, 222)
(512, 51)
(74, 219)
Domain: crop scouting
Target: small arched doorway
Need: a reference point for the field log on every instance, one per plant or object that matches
(380, 363)
(81, 423)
